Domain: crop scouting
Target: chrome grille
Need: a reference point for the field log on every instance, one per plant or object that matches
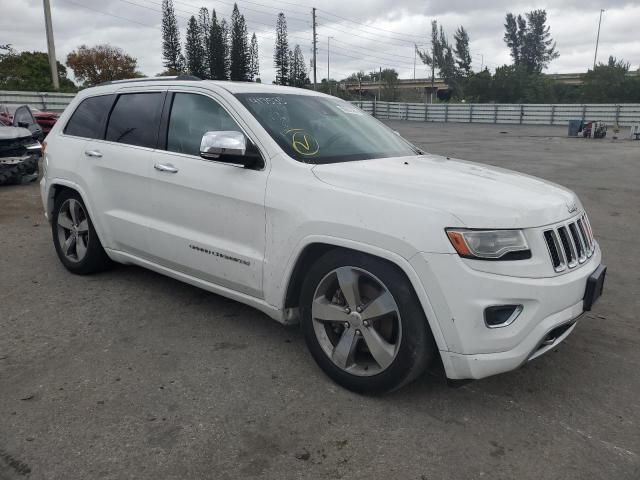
(570, 244)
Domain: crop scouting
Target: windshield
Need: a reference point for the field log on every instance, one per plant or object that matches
(323, 130)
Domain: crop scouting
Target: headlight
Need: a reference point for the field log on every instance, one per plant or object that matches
(34, 147)
(489, 244)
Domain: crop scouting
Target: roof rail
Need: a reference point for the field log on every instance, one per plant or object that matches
(151, 79)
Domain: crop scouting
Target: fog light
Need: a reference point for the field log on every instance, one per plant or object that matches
(501, 315)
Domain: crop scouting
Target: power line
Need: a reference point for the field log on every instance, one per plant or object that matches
(380, 58)
(374, 28)
(375, 51)
(293, 17)
(109, 14)
(397, 65)
(376, 38)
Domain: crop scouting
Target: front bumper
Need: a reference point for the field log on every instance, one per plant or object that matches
(459, 295)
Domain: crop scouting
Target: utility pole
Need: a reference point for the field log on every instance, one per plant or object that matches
(597, 39)
(415, 53)
(51, 47)
(433, 73)
(328, 63)
(315, 48)
(380, 85)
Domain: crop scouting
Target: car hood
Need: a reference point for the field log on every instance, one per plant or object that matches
(45, 115)
(12, 133)
(478, 195)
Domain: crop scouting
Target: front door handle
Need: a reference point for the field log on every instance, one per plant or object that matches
(165, 167)
(93, 153)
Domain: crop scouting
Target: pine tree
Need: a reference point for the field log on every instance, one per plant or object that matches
(224, 28)
(194, 50)
(442, 58)
(217, 50)
(529, 40)
(511, 37)
(239, 57)
(171, 50)
(281, 51)
(204, 31)
(461, 50)
(254, 59)
(297, 68)
(292, 66)
(540, 48)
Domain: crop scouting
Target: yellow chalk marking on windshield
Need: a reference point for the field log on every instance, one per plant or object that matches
(303, 142)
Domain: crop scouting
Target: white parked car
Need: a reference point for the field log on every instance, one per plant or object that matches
(304, 207)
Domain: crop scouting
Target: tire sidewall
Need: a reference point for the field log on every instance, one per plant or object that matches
(416, 344)
(95, 252)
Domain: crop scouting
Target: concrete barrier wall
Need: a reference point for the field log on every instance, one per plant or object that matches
(49, 101)
(625, 114)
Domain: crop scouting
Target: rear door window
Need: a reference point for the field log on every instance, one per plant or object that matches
(89, 118)
(135, 119)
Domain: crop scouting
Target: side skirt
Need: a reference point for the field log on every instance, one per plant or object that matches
(270, 310)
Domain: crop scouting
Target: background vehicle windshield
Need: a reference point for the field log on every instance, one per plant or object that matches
(324, 130)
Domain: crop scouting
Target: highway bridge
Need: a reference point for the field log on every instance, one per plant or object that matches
(425, 85)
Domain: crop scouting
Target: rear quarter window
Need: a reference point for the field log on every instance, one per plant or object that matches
(89, 118)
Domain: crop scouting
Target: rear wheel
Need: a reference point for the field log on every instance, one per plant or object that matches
(77, 244)
(363, 323)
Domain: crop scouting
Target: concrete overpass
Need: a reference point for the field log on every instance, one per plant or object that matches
(424, 84)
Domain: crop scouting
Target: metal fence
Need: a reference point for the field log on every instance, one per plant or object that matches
(625, 114)
(49, 101)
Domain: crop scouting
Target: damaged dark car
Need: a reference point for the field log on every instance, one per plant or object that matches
(20, 148)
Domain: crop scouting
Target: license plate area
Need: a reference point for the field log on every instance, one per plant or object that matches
(595, 284)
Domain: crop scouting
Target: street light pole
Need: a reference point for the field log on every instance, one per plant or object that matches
(315, 48)
(51, 47)
(328, 50)
(595, 56)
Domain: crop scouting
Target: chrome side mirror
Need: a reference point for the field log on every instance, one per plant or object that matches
(215, 145)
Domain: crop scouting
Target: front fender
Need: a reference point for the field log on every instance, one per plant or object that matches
(277, 296)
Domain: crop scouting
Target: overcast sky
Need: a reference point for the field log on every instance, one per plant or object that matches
(367, 34)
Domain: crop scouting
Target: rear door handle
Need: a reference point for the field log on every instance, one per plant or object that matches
(165, 167)
(93, 153)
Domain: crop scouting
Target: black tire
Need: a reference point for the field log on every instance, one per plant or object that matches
(12, 175)
(417, 347)
(95, 259)
(31, 165)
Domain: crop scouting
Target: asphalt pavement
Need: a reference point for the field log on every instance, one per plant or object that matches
(129, 374)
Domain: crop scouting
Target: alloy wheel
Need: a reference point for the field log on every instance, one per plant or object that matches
(73, 230)
(356, 321)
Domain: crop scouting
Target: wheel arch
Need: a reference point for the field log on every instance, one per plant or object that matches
(56, 187)
(315, 248)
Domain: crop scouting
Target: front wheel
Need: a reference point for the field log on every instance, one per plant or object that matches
(363, 322)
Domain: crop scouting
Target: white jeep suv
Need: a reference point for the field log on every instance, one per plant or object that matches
(308, 209)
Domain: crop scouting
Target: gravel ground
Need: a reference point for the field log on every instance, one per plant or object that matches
(129, 374)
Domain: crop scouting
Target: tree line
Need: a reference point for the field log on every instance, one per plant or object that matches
(532, 49)
(214, 48)
(219, 50)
